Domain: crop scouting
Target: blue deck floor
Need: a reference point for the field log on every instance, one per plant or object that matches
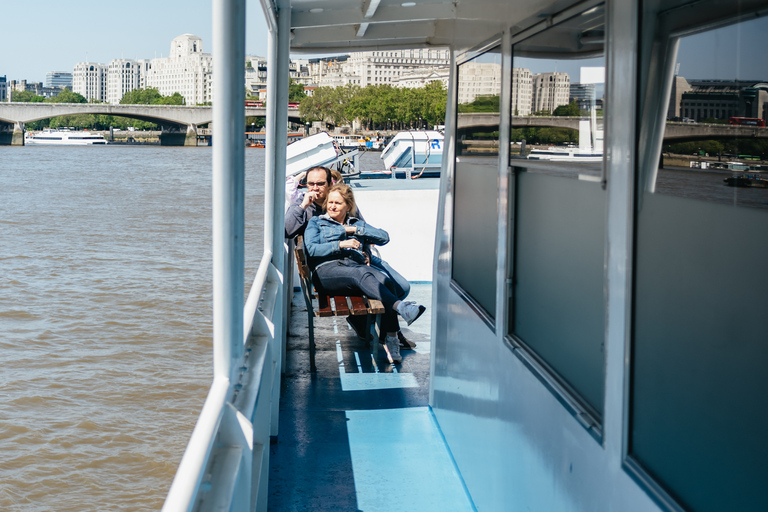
(358, 435)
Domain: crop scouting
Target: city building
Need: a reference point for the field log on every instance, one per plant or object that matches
(188, 71)
(90, 80)
(255, 74)
(123, 75)
(550, 90)
(3, 88)
(37, 88)
(479, 79)
(721, 99)
(522, 91)
(60, 79)
(584, 96)
(374, 67)
(421, 77)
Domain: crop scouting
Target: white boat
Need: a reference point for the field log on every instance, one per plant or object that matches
(318, 149)
(589, 150)
(63, 138)
(348, 141)
(414, 151)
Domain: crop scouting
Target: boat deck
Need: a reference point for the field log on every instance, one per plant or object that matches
(358, 435)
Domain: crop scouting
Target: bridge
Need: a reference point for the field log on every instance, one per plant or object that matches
(675, 132)
(178, 123)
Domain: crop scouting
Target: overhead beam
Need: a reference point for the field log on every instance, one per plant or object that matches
(343, 35)
(340, 17)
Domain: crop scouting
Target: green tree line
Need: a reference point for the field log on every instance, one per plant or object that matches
(377, 106)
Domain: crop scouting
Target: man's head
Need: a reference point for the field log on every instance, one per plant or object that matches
(319, 181)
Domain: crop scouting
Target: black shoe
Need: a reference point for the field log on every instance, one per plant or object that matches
(359, 329)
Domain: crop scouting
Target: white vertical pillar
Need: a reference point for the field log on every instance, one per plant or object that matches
(228, 183)
(274, 193)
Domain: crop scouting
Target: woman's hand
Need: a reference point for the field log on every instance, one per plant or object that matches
(350, 230)
(349, 244)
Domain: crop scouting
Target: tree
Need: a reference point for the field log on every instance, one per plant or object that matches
(26, 97)
(295, 91)
(67, 96)
(571, 109)
(151, 96)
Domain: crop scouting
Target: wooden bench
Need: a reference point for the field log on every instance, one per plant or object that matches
(328, 305)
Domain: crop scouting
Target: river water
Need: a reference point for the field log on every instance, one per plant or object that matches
(105, 319)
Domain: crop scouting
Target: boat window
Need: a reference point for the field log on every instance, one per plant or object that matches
(476, 189)
(700, 340)
(557, 214)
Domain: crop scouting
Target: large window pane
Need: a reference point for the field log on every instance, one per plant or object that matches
(557, 304)
(476, 190)
(700, 344)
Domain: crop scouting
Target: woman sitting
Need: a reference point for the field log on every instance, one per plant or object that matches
(334, 243)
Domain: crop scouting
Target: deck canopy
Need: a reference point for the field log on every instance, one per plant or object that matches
(335, 26)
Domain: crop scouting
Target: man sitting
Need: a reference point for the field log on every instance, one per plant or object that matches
(319, 180)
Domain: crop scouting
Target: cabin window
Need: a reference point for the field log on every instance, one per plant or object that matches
(556, 300)
(698, 416)
(476, 181)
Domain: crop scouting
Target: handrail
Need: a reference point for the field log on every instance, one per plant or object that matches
(252, 304)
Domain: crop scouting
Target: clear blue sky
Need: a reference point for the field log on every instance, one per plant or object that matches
(46, 35)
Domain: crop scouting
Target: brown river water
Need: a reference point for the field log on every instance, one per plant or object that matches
(105, 319)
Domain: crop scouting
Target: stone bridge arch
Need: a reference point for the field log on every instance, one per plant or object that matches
(178, 122)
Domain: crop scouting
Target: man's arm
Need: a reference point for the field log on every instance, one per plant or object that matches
(296, 219)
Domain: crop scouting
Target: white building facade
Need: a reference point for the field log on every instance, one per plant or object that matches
(550, 90)
(522, 91)
(479, 79)
(376, 67)
(187, 71)
(123, 75)
(90, 80)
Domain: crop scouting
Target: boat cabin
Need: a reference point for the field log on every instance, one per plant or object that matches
(590, 348)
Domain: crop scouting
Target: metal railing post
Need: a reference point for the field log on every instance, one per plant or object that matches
(228, 183)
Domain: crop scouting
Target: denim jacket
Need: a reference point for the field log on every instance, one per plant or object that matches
(323, 234)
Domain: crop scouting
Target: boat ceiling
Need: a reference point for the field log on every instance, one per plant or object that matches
(338, 26)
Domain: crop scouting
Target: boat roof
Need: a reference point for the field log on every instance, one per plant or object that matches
(328, 26)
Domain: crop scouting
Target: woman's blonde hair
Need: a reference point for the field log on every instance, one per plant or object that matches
(336, 177)
(347, 195)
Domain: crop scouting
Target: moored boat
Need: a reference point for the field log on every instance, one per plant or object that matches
(63, 138)
(414, 152)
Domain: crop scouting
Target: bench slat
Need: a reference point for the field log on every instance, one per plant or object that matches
(358, 306)
(323, 306)
(375, 307)
(341, 306)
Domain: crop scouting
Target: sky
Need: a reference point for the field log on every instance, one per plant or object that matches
(46, 35)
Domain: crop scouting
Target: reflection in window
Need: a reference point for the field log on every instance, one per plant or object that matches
(475, 208)
(557, 304)
(715, 142)
(557, 103)
(700, 341)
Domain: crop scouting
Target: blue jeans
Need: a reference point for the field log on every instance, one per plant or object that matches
(347, 277)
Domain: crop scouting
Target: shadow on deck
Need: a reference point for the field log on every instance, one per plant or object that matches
(358, 434)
